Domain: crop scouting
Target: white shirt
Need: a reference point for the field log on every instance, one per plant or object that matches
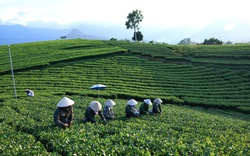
(31, 93)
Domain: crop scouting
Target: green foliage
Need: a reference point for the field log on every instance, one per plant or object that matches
(147, 71)
(173, 99)
(133, 20)
(113, 39)
(223, 56)
(139, 36)
(212, 41)
(26, 128)
(25, 56)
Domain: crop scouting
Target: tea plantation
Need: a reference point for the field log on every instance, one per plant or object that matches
(205, 91)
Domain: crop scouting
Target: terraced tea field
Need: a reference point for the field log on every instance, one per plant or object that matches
(70, 67)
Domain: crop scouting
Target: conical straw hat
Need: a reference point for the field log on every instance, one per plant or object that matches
(110, 103)
(158, 101)
(148, 101)
(64, 102)
(132, 102)
(95, 106)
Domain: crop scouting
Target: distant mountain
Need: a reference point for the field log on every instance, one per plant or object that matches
(225, 30)
(106, 32)
(76, 33)
(12, 34)
(233, 30)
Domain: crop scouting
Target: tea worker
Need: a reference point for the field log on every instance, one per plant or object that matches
(157, 106)
(108, 111)
(93, 109)
(144, 107)
(29, 92)
(130, 109)
(63, 115)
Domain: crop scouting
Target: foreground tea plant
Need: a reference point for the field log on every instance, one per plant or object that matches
(178, 131)
(179, 75)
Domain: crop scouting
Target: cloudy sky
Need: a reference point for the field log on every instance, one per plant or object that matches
(160, 13)
(164, 20)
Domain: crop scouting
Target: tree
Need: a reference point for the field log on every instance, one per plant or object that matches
(229, 42)
(185, 41)
(134, 19)
(212, 41)
(113, 39)
(137, 35)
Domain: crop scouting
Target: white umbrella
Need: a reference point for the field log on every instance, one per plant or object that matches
(98, 87)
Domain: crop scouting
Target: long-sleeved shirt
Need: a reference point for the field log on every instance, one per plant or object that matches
(129, 111)
(63, 115)
(156, 108)
(108, 112)
(143, 108)
(30, 93)
(90, 115)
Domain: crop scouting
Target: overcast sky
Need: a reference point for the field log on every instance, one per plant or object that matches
(160, 13)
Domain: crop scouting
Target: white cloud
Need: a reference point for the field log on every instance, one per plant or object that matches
(160, 13)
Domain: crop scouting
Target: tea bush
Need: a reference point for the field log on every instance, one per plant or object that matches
(70, 67)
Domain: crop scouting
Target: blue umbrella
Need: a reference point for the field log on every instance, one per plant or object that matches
(98, 87)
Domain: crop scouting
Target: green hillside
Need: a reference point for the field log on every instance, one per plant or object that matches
(214, 79)
(33, 55)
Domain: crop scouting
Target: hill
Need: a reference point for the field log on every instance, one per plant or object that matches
(215, 70)
(13, 34)
(209, 77)
(75, 33)
(225, 30)
(233, 30)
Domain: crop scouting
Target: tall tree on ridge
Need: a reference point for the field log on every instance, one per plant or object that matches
(134, 19)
